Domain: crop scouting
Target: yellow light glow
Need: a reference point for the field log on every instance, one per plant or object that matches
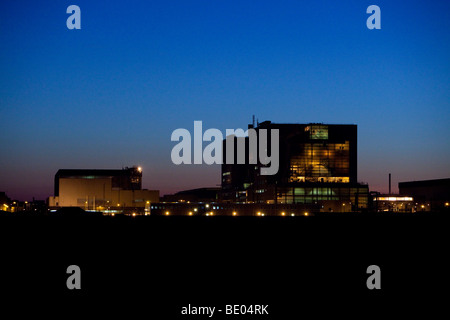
(259, 213)
(292, 214)
(134, 214)
(447, 204)
(211, 213)
(190, 213)
(234, 213)
(139, 169)
(167, 213)
(422, 206)
(394, 199)
(306, 214)
(207, 205)
(283, 214)
(148, 202)
(113, 214)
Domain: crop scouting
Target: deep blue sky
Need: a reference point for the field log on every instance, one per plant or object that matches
(110, 95)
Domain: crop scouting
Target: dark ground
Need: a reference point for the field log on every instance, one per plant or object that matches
(150, 267)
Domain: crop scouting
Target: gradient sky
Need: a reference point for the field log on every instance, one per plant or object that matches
(110, 95)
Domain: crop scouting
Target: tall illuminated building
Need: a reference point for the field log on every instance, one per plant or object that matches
(317, 165)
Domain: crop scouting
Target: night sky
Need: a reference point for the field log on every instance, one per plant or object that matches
(110, 95)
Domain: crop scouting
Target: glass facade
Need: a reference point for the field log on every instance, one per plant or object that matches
(317, 132)
(307, 195)
(321, 162)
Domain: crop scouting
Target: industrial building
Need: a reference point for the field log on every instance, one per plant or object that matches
(108, 191)
(317, 166)
(429, 195)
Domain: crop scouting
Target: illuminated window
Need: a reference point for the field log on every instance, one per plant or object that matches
(321, 162)
(394, 199)
(318, 132)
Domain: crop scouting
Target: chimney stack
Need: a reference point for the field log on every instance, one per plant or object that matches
(389, 184)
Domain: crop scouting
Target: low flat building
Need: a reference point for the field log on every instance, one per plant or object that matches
(193, 195)
(429, 195)
(394, 203)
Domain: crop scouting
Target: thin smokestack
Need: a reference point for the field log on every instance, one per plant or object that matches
(389, 183)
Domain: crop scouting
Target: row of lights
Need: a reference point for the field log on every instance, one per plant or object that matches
(211, 213)
(259, 214)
